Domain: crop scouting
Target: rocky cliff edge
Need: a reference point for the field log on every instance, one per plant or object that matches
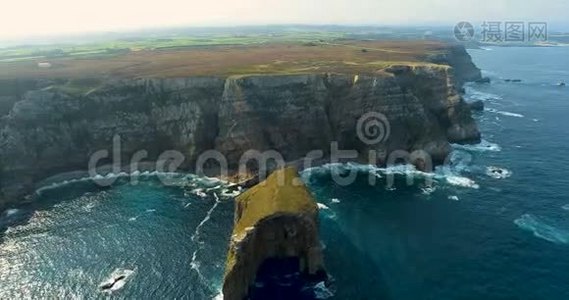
(50, 127)
(277, 219)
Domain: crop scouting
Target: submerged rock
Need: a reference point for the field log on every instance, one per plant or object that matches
(483, 80)
(116, 281)
(476, 105)
(275, 245)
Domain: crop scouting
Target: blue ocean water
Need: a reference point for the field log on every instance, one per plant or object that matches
(473, 234)
(508, 239)
(76, 236)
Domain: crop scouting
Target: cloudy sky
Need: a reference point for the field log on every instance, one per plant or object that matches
(19, 18)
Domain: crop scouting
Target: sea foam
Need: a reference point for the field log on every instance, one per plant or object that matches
(498, 173)
(504, 113)
(462, 182)
(474, 94)
(439, 175)
(542, 230)
(483, 146)
(117, 284)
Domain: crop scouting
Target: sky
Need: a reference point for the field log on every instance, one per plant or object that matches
(23, 18)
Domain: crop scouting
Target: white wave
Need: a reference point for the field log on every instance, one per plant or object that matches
(172, 178)
(11, 212)
(428, 190)
(195, 264)
(227, 193)
(133, 219)
(565, 207)
(541, 230)
(199, 192)
(462, 182)
(90, 206)
(117, 280)
(322, 292)
(323, 206)
(498, 173)
(406, 170)
(482, 147)
(453, 198)
(335, 200)
(219, 296)
(474, 94)
(504, 113)
(151, 210)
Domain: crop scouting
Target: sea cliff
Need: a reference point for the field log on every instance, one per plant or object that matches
(47, 127)
(275, 220)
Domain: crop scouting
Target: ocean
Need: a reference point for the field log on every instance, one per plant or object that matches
(475, 233)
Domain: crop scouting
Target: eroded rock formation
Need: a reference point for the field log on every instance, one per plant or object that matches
(46, 130)
(276, 219)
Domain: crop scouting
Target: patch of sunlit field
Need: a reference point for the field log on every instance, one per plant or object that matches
(217, 56)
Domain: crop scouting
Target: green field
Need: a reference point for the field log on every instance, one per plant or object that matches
(121, 46)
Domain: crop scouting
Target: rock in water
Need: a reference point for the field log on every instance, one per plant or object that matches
(476, 105)
(116, 281)
(483, 80)
(276, 223)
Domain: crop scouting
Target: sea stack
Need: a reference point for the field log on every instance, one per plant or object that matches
(275, 222)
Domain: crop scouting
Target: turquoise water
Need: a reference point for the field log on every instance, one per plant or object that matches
(77, 235)
(470, 236)
(508, 239)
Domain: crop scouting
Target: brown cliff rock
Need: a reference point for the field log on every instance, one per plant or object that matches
(276, 219)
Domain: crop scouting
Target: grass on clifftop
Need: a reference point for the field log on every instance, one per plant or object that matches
(286, 57)
(282, 192)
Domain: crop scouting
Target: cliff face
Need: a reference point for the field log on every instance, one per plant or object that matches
(46, 130)
(464, 69)
(277, 219)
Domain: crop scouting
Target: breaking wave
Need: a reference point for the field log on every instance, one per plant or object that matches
(498, 173)
(116, 281)
(441, 175)
(504, 113)
(474, 94)
(482, 147)
(542, 230)
(206, 184)
(462, 182)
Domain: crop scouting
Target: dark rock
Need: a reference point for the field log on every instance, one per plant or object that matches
(461, 62)
(483, 80)
(48, 132)
(476, 105)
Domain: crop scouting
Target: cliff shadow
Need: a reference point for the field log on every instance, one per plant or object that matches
(352, 271)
